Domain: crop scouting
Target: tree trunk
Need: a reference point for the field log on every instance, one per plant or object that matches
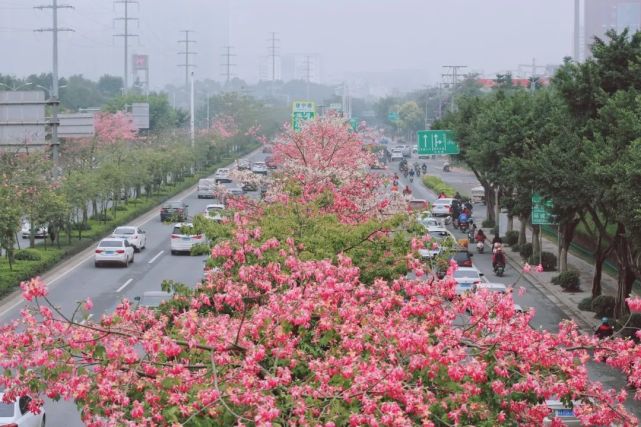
(522, 228)
(567, 235)
(626, 276)
(536, 244)
(596, 278)
(510, 223)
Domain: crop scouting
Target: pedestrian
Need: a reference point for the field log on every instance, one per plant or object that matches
(442, 195)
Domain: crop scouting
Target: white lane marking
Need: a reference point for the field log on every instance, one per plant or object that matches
(156, 257)
(124, 285)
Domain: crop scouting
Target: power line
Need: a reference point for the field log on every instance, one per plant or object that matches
(53, 101)
(227, 65)
(126, 35)
(187, 52)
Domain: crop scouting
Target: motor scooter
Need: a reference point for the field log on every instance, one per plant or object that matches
(499, 269)
(480, 247)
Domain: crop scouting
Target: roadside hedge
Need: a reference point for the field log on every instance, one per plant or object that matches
(438, 186)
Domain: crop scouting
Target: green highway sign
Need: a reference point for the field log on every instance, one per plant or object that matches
(541, 210)
(436, 142)
(302, 111)
(353, 122)
(392, 116)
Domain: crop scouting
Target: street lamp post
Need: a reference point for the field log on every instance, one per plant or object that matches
(15, 88)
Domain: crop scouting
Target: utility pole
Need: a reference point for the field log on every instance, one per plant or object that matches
(227, 55)
(54, 101)
(454, 75)
(533, 74)
(125, 35)
(577, 30)
(273, 53)
(187, 52)
(192, 120)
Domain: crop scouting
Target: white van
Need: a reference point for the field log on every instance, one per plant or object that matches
(206, 188)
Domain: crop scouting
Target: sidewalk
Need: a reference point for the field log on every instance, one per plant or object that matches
(567, 301)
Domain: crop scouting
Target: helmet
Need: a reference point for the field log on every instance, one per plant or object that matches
(604, 320)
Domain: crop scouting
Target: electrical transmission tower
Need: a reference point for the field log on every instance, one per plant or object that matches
(227, 65)
(533, 75)
(308, 72)
(188, 51)
(126, 35)
(455, 76)
(53, 101)
(273, 53)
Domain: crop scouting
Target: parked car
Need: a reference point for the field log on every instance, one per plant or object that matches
(174, 210)
(442, 207)
(463, 258)
(137, 237)
(259, 167)
(268, 149)
(39, 232)
(466, 278)
(270, 162)
(222, 176)
(152, 299)
(206, 188)
(183, 237)
(111, 250)
(17, 414)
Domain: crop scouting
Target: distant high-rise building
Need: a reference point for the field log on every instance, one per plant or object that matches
(600, 16)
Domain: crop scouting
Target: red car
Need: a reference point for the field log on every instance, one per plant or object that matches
(269, 161)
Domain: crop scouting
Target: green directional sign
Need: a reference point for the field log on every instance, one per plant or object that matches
(353, 122)
(392, 116)
(541, 210)
(302, 111)
(436, 142)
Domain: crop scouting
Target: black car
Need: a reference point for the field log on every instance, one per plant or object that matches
(462, 258)
(175, 211)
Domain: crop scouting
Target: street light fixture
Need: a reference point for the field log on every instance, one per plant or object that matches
(15, 88)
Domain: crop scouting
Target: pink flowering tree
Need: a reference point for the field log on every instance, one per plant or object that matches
(114, 127)
(270, 338)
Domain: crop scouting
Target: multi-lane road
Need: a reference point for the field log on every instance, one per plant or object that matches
(78, 278)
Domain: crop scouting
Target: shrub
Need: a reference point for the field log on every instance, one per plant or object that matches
(200, 249)
(488, 223)
(603, 306)
(568, 280)
(101, 217)
(27, 255)
(80, 226)
(585, 304)
(511, 238)
(437, 185)
(526, 250)
(121, 208)
(516, 248)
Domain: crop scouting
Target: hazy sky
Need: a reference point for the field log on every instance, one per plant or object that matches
(349, 35)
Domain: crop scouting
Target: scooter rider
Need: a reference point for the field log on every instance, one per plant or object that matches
(498, 259)
(480, 236)
(604, 330)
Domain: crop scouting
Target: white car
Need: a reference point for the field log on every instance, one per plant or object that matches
(259, 167)
(441, 207)
(26, 231)
(152, 299)
(17, 414)
(440, 233)
(206, 188)
(466, 278)
(407, 151)
(183, 238)
(111, 250)
(397, 155)
(214, 211)
(137, 237)
(430, 222)
(222, 175)
(491, 287)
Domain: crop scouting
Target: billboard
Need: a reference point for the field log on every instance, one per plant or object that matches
(140, 62)
(22, 118)
(140, 115)
(76, 125)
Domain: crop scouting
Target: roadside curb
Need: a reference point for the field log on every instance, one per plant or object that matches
(584, 323)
